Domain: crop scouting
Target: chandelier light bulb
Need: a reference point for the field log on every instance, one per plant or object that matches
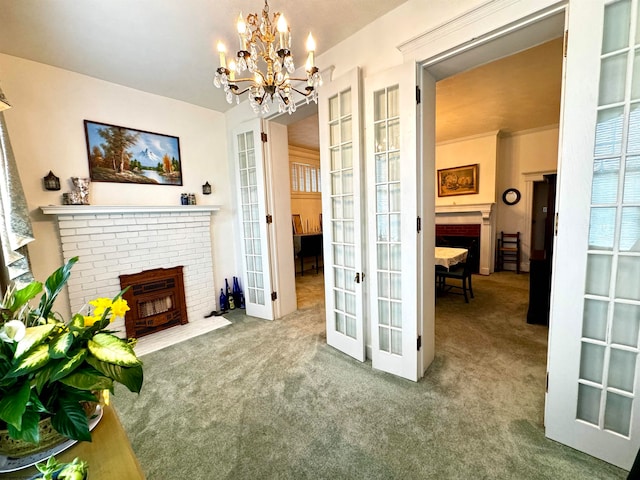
(311, 47)
(242, 30)
(221, 51)
(282, 29)
(242, 27)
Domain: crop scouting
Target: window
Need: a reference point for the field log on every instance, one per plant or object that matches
(305, 178)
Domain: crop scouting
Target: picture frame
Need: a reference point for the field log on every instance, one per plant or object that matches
(296, 221)
(458, 180)
(128, 155)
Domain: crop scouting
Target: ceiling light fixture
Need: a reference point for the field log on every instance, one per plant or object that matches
(269, 40)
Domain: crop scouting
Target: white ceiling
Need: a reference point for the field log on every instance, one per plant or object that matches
(166, 47)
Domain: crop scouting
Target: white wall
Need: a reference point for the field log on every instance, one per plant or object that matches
(522, 153)
(47, 133)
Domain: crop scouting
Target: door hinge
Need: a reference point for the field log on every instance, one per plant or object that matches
(546, 387)
(418, 95)
(419, 225)
(419, 342)
(274, 296)
(263, 137)
(556, 226)
(566, 43)
(269, 219)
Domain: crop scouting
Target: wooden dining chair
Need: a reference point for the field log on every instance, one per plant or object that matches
(508, 250)
(460, 272)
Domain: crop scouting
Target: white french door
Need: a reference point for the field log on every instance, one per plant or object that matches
(341, 168)
(592, 401)
(249, 160)
(393, 184)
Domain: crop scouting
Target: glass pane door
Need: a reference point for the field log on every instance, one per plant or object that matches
(393, 182)
(611, 319)
(594, 342)
(341, 206)
(253, 226)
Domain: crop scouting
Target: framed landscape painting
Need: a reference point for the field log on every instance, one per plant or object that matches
(126, 155)
(458, 180)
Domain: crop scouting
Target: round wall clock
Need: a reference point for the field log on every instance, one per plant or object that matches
(511, 196)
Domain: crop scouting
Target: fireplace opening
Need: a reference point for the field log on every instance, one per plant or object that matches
(156, 299)
(463, 236)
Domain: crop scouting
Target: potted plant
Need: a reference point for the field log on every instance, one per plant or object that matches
(51, 368)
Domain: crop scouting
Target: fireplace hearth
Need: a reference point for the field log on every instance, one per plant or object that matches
(157, 301)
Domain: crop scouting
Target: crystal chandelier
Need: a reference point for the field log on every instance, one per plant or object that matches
(266, 41)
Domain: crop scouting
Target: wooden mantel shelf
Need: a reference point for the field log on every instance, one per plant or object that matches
(107, 209)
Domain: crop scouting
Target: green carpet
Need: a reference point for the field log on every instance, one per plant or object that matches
(262, 399)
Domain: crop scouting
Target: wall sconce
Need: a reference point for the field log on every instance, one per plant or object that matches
(206, 189)
(51, 182)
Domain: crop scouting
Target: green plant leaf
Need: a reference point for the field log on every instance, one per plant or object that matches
(130, 377)
(35, 359)
(34, 336)
(35, 404)
(42, 376)
(77, 322)
(29, 431)
(14, 403)
(63, 369)
(111, 349)
(52, 287)
(60, 345)
(22, 296)
(71, 420)
(85, 380)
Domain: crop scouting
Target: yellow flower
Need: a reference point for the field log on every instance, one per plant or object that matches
(120, 307)
(89, 321)
(99, 306)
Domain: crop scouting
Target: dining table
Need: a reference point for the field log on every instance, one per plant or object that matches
(448, 256)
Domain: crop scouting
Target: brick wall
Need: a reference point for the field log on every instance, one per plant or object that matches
(111, 244)
(467, 230)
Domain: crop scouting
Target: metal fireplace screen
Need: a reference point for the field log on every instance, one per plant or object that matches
(156, 298)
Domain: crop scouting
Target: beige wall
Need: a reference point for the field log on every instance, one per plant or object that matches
(479, 149)
(47, 133)
(523, 153)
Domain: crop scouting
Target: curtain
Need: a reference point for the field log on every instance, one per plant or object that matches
(15, 225)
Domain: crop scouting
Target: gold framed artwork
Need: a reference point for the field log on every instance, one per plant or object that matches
(458, 180)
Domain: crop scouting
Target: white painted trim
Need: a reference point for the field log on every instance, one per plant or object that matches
(489, 7)
(106, 209)
(412, 48)
(483, 208)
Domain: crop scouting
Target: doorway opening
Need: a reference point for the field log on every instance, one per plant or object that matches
(306, 204)
(498, 106)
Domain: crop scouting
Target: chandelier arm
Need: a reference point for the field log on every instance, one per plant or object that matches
(235, 91)
(308, 92)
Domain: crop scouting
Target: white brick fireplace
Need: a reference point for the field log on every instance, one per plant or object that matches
(115, 240)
